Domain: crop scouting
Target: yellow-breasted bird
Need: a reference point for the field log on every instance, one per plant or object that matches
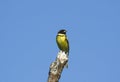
(62, 41)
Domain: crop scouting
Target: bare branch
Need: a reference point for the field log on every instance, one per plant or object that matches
(57, 66)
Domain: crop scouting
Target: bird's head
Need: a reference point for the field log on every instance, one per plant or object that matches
(62, 31)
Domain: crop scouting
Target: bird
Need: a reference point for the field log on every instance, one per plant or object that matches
(62, 42)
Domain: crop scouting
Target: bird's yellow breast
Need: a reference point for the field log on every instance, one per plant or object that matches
(62, 43)
(61, 38)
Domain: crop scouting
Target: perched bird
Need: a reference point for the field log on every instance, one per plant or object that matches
(62, 41)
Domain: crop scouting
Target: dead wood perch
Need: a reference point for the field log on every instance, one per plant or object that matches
(57, 66)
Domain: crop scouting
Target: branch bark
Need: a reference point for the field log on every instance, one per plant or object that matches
(57, 67)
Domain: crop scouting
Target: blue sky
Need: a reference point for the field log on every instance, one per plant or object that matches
(27, 39)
